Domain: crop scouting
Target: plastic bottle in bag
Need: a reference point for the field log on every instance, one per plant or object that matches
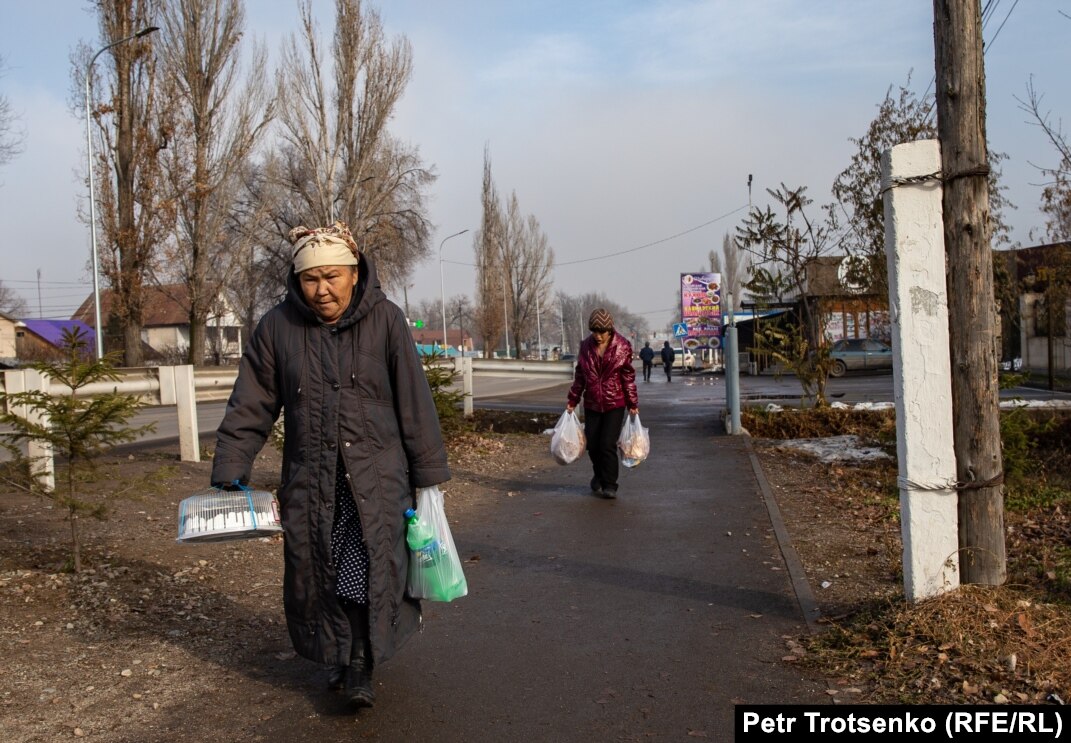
(434, 571)
(421, 539)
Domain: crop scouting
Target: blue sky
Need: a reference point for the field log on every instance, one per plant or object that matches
(617, 124)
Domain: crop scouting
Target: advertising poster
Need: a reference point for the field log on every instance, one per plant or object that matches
(701, 309)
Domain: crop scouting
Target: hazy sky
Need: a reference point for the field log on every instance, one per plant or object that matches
(617, 123)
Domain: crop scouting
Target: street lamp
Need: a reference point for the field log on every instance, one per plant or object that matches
(442, 285)
(92, 209)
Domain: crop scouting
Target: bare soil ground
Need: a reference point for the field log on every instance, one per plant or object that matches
(151, 629)
(1009, 644)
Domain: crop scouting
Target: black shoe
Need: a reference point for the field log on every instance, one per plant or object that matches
(609, 494)
(336, 678)
(596, 487)
(358, 684)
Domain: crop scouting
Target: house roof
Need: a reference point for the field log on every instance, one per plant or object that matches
(52, 330)
(168, 304)
(1027, 261)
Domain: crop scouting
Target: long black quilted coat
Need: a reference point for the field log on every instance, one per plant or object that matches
(357, 387)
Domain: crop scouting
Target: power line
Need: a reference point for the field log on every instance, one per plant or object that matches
(34, 282)
(987, 13)
(656, 242)
(990, 45)
(638, 247)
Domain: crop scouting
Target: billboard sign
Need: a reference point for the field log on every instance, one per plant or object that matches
(701, 309)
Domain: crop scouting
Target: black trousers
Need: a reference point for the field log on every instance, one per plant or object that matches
(669, 368)
(602, 430)
(647, 367)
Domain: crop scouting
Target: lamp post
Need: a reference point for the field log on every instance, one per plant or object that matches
(442, 285)
(92, 208)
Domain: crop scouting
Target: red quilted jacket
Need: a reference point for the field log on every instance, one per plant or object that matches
(608, 382)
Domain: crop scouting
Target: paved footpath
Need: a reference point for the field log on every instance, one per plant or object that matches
(642, 618)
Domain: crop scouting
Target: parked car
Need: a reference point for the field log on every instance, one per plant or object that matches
(856, 354)
(685, 360)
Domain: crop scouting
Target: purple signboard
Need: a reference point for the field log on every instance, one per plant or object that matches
(701, 309)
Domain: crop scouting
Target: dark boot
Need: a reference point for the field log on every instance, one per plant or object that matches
(358, 683)
(596, 487)
(336, 678)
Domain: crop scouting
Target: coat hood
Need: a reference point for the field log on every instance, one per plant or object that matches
(366, 295)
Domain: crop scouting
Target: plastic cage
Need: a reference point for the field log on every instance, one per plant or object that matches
(222, 515)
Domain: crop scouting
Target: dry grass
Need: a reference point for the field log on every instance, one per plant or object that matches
(1008, 644)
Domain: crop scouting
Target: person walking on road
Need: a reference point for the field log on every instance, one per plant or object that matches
(606, 379)
(667, 360)
(647, 357)
(361, 433)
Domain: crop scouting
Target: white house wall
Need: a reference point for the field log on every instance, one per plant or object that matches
(1035, 348)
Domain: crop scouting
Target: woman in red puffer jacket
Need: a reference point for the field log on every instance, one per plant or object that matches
(606, 379)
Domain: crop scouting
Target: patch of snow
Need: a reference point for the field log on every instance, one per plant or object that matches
(1021, 403)
(835, 449)
(863, 406)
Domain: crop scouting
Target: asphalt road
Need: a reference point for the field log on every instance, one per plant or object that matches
(648, 617)
(531, 394)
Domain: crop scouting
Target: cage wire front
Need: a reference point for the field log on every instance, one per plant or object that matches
(220, 515)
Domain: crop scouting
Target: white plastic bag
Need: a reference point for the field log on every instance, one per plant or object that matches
(567, 442)
(435, 572)
(634, 443)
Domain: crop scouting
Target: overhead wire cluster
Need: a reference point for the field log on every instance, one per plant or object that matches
(55, 300)
(988, 11)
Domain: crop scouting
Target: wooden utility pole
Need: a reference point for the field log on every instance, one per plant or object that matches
(972, 318)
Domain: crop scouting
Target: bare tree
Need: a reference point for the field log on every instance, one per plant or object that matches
(11, 303)
(11, 137)
(784, 251)
(132, 128)
(342, 162)
(260, 257)
(491, 277)
(902, 117)
(737, 264)
(217, 124)
(528, 261)
(1056, 191)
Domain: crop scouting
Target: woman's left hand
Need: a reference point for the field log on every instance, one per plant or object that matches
(635, 411)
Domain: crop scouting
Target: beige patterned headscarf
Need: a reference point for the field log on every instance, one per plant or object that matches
(323, 246)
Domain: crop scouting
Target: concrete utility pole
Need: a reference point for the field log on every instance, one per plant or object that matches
(960, 78)
(918, 306)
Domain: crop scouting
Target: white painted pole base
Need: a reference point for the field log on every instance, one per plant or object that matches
(922, 381)
(186, 400)
(466, 384)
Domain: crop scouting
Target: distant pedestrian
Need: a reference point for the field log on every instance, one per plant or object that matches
(667, 360)
(647, 357)
(606, 379)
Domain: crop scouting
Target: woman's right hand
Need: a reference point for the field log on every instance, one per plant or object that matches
(569, 408)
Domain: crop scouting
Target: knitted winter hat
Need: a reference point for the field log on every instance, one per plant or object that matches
(600, 320)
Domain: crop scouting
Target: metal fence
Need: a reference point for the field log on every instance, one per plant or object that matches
(185, 386)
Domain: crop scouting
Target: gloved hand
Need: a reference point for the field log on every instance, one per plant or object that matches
(230, 487)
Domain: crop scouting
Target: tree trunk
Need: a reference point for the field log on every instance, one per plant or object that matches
(975, 393)
(1050, 318)
(76, 545)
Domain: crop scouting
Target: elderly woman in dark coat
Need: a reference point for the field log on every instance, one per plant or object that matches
(606, 380)
(361, 433)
